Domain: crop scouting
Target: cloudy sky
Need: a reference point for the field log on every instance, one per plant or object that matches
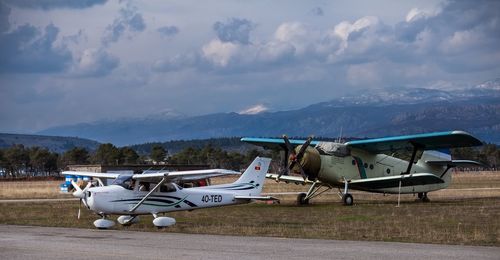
(64, 62)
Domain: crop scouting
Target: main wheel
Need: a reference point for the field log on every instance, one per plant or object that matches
(301, 199)
(420, 195)
(347, 199)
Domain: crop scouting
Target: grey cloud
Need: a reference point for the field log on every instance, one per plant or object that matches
(129, 20)
(28, 49)
(168, 31)
(54, 4)
(178, 62)
(95, 63)
(234, 30)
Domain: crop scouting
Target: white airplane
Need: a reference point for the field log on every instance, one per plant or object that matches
(131, 195)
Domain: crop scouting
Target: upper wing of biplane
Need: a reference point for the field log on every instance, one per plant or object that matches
(274, 143)
(428, 141)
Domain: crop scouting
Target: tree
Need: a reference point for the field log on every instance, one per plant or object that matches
(128, 155)
(16, 160)
(107, 154)
(39, 157)
(76, 155)
(158, 153)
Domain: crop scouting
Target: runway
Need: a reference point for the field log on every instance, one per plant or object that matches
(27, 242)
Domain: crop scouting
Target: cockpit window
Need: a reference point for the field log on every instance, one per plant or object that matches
(169, 187)
(125, 181)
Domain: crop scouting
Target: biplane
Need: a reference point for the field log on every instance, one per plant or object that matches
(369, 165)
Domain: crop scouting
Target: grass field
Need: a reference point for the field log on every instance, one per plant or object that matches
(454, 216)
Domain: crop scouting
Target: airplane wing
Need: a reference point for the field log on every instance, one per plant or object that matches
(288, 178)
(428, 141)
(393, 181)
(186, 175)
(92, 174)
(274, 143)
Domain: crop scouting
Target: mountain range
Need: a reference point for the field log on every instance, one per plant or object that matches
(56, 144)
(373, 113)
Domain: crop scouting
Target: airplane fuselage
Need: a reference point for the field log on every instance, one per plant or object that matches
(362, 165)
(115, 199)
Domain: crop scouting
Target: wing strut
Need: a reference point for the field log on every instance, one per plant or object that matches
(147, 195)
(413, 155)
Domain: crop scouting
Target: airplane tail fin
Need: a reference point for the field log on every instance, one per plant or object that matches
(252, 180)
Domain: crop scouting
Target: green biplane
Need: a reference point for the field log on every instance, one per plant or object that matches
(368, 165)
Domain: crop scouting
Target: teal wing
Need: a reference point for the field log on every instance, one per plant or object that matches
(274, 143)
(428, 141)
(393, 181)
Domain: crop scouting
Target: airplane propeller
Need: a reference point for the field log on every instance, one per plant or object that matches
(82, 194)
(294, 158)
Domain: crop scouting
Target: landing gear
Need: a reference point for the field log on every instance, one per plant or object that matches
(314, 190)
(301, 199)
(347, 199)
(423, 197)
(103, 223)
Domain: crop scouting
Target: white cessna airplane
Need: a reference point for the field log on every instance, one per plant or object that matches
(131, 195)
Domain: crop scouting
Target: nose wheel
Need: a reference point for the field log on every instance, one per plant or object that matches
(301, 199)
(347, 199)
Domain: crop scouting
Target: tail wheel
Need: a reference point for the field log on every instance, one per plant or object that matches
(347, 199)
(301, 199)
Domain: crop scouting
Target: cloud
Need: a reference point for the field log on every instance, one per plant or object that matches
(128, 21)
(168, 31)
(234, 30)
(220, 53)
(95, 63)
(177, 62)
(257, 109)
(28, 49)
(54, 4)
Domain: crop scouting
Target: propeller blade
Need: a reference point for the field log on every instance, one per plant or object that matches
(79, 208)
(288, 145)
(304, 176)
(303, 148)
(78, 191)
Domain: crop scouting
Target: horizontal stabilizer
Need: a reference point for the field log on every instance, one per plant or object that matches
(238, 197)
(393, 181)
(455, 163)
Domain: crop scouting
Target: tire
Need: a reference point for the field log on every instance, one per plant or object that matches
(301, 199)
(347, 199)
(420, 195)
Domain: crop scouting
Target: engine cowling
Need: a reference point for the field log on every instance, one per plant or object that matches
(310, 162)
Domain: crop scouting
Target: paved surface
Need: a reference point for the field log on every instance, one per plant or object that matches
(25, 242)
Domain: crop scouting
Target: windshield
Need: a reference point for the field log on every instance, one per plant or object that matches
(124, 180)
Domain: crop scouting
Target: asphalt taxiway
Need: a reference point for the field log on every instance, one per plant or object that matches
(28, 242)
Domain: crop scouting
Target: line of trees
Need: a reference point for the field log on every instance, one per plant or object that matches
(19, 161)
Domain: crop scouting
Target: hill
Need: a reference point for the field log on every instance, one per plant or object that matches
(57, 144)
(370, 114)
